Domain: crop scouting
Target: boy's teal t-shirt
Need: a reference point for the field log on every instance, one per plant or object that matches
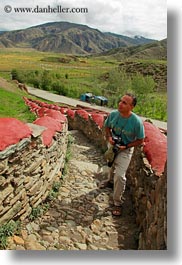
(130, 129)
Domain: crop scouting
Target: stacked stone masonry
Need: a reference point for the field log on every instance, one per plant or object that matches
(29, 168)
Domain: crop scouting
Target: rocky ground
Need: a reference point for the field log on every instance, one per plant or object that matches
(80, 217)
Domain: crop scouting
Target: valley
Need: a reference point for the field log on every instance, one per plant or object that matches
(135, 65)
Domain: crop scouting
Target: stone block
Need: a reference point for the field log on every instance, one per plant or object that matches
(11, 213)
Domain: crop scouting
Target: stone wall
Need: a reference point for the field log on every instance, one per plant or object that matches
(149, 193)
(28, 170)
(90, 122)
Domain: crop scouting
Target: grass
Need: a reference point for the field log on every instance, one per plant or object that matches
(30, 59)
(12, 105)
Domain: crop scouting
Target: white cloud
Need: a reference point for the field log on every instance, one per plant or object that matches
(147, 18)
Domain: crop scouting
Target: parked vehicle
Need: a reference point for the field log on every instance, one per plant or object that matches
(87, 97)
(100, 100)
(92, 99)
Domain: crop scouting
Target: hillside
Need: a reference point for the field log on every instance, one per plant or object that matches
(67, 37)
(156, 51)
(157, 70)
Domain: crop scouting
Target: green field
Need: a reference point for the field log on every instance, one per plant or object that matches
(72, 75)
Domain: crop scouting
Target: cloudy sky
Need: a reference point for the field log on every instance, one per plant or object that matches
(147, 18)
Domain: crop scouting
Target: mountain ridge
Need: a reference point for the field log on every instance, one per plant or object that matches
(155, 50)
(66, 37)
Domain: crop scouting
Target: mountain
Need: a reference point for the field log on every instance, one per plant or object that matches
(156, 50)
(65, 37)
(137, 40)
